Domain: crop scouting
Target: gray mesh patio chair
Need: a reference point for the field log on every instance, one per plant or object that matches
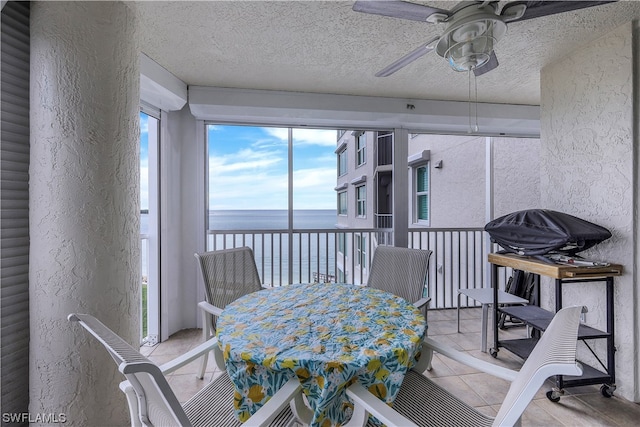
(403, 272)
(228, 274)
(153, 403)
(422, 402)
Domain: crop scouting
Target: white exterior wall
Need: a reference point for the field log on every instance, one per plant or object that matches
(182, 219)
(589, 169)
(516, 175)
(457, 191)
(84, 204)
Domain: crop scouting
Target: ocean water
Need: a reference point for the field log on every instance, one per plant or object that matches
(271, 219)
(263, 220)
(311, 253)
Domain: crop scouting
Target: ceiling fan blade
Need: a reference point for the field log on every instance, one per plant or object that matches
(536, 9)
(490, 65)
(408, 58)
(398, 9)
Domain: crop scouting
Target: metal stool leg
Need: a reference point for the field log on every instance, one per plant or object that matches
(485, 312)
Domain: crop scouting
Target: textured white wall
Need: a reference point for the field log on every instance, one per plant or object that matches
(516, 175)
(588, 171)
(458, 193)
(84, 204)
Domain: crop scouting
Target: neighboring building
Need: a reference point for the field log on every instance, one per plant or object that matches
(448, 186)
(364, 197)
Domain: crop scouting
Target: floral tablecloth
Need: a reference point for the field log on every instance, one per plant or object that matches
(328, 335)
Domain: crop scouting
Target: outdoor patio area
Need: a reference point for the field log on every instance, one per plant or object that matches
(580, 406)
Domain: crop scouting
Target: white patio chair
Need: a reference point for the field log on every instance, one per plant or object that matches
(422, 402)
(153, 403)
(403, 272)
(228, 274)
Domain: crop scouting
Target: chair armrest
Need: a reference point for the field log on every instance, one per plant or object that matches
(481, 365)
(209, 308)
(190, 356)
(422, 302)
(366, 403)
(270, 410)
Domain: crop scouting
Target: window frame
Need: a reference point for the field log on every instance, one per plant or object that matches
(342, 159)
(361, 202)
(361, 149)
(424, 193)
(343, 205)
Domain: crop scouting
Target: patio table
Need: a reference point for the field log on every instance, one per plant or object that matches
(328, 335)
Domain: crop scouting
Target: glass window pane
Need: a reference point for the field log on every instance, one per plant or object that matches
(342, 203)
(247, 177)
(342, 162)
(423, 208)
(423, 179)
(314, 202)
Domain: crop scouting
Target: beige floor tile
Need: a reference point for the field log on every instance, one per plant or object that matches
(579, 406)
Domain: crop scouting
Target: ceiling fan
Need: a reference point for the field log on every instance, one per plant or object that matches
(472, 28)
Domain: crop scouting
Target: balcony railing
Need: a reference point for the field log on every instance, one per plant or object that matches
(300, 256)
(344, 255)
(144, 248)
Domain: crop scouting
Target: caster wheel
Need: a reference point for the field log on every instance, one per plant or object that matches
(553, 396)
(607, 391)
(493, 352)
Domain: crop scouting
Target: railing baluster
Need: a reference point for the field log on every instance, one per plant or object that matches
(457, 258)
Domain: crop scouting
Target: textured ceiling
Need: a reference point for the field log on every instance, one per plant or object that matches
(325, 47)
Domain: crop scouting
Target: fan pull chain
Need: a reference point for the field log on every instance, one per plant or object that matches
(475, 87)
(469, 101)
(473, 127)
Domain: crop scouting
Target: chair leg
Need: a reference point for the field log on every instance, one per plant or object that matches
(429, 355)
(132, 399)
(458, 312)
(206, 334)
(424, 363)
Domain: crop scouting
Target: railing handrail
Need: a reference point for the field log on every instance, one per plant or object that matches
(343, 230)
(444, 229)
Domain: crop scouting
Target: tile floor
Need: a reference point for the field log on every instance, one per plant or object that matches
(580, 406)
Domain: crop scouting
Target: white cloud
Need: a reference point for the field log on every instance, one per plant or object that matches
(245, 160)
(322, 178)
(256, 177)
(322, 137)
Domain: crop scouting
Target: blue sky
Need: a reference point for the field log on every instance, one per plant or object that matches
(248, 167)
(144, 161)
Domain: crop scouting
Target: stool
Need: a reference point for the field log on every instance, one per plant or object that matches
(485, 297)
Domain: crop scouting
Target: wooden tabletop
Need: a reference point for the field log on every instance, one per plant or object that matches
(556, 271)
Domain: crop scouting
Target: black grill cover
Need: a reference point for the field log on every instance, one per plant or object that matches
(540, 231)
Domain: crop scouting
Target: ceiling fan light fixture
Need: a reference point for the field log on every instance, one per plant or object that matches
(471, 54)
(467, 44)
